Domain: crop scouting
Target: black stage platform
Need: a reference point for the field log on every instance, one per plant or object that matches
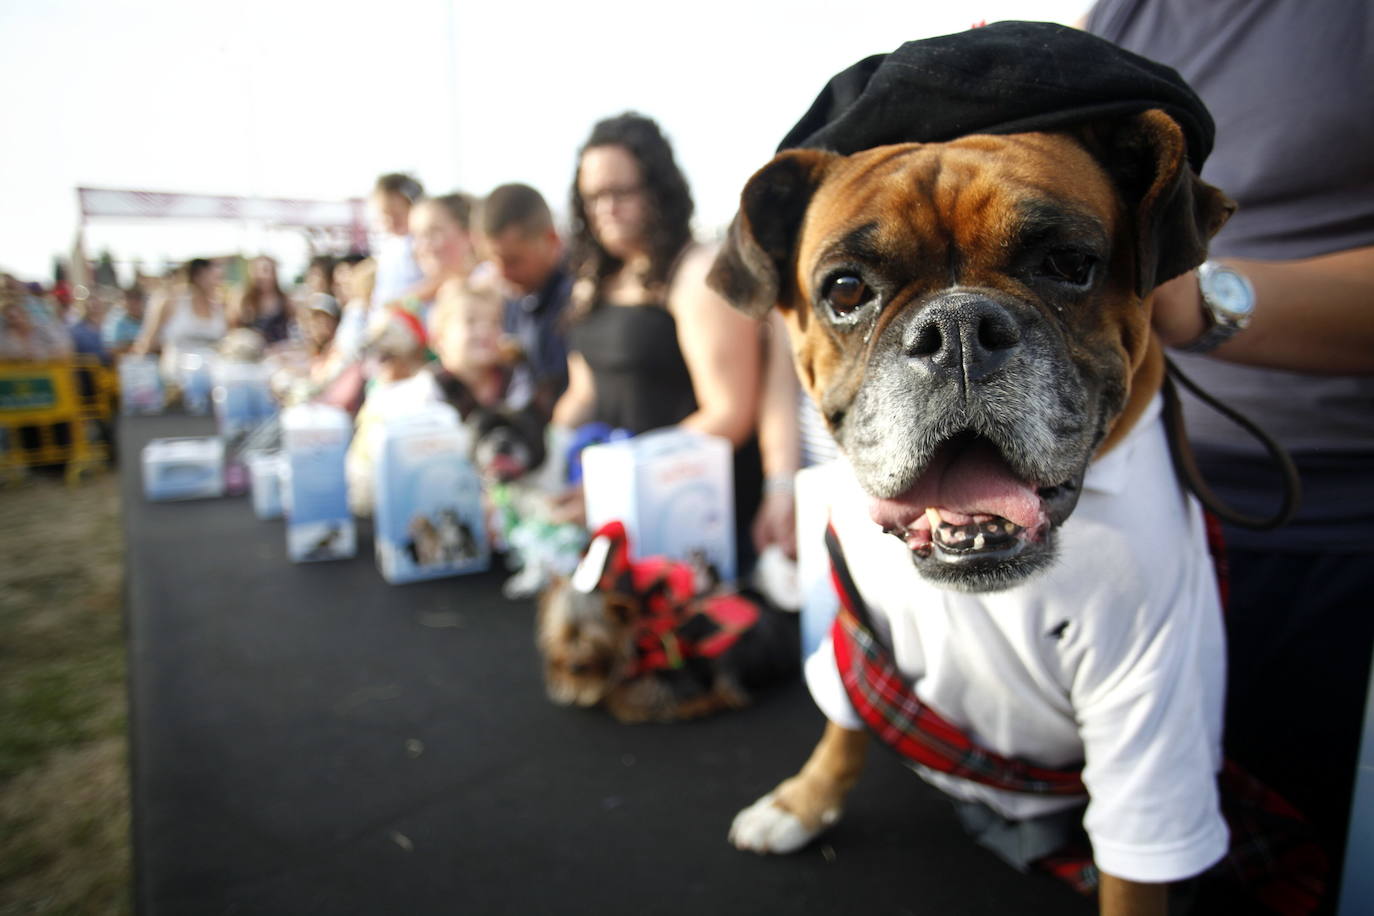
(310, 740)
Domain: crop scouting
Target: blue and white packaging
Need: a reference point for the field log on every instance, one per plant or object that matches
(265, 473)
(673, 489)
(195, 376)
(242, 398)
(314, 492)
(183, 468)
(428, 520)
(140, 385)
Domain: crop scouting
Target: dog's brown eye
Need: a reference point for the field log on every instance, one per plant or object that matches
(845, 293)
(1068, 265)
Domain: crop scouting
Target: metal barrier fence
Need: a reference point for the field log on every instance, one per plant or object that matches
(56, 413)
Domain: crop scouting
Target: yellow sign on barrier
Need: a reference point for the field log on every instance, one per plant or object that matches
(49, 414)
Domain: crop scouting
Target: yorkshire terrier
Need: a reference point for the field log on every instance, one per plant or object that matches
(655, 640)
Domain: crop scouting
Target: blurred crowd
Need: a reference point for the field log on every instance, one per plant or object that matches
(484, 303)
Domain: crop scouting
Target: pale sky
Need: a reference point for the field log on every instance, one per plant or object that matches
(287, 98)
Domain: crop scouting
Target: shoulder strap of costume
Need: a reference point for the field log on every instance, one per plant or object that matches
(840, 576)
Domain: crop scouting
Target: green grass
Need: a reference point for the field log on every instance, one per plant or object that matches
(64, 798)
(56, 704)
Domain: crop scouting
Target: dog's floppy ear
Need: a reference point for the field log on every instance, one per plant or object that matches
(750, 268)
(1176, 212)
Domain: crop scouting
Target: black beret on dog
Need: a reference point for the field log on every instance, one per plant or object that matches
(1008, 77)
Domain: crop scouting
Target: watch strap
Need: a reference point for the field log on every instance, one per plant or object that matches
(1215, 335)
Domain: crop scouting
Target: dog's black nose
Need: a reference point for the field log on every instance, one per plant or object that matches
(968, 335)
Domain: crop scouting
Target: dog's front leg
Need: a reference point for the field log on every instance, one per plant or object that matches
(1119, 897)
(790, 816)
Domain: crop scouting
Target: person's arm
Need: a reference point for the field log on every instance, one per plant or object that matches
(425, 290)
(723, 352)
(1311, 315)
(575, 405)
(235, 313)
(779, 443)
(153, 322)
(573, 409)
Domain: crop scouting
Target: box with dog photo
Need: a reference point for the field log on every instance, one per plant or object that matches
(428, 514)
(672, 489)
(314, 491)
(242, 400)
(140, 385)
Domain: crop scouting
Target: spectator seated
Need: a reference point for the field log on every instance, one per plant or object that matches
(397, 341)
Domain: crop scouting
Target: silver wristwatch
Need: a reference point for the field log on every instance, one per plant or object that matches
(1228, 301)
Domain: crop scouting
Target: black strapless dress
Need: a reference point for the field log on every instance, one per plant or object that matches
(641, 380)
(642, 383)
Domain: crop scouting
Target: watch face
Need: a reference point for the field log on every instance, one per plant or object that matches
(1228, 290)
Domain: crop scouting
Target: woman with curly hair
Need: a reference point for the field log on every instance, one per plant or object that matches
(261, 304)
(651, 345)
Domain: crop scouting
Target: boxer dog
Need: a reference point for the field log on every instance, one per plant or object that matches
(972, 319)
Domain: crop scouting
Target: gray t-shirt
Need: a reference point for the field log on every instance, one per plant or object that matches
(1291, 87)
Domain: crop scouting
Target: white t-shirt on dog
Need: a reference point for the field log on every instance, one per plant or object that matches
(1114, 656)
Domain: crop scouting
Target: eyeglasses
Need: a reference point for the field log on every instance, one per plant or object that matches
(612, 195)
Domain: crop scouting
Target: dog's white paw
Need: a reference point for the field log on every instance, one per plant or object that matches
(764, 827)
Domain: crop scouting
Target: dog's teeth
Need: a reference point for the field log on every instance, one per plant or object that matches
(1009, 528)
(933, 514)
(978, 541)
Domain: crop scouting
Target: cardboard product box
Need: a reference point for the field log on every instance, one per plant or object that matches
(183, 468)
(140, 385)
(195, 375)
(674, 491)
(243, 400)
(428, 519)
(314, 492)
(265, 473)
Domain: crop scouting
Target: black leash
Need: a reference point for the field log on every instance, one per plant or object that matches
(1185, 463)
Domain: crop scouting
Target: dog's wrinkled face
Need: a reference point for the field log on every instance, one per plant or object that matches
(968, 317)
(950, 381)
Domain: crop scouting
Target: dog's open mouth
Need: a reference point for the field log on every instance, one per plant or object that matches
(504, 467)
(969, 507)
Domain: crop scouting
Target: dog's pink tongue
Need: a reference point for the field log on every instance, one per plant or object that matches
(973, 481)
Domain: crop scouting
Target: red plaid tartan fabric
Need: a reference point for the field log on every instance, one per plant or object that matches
(1273, 861)
(1273, 854)
(890, 708)
(1273, 864)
